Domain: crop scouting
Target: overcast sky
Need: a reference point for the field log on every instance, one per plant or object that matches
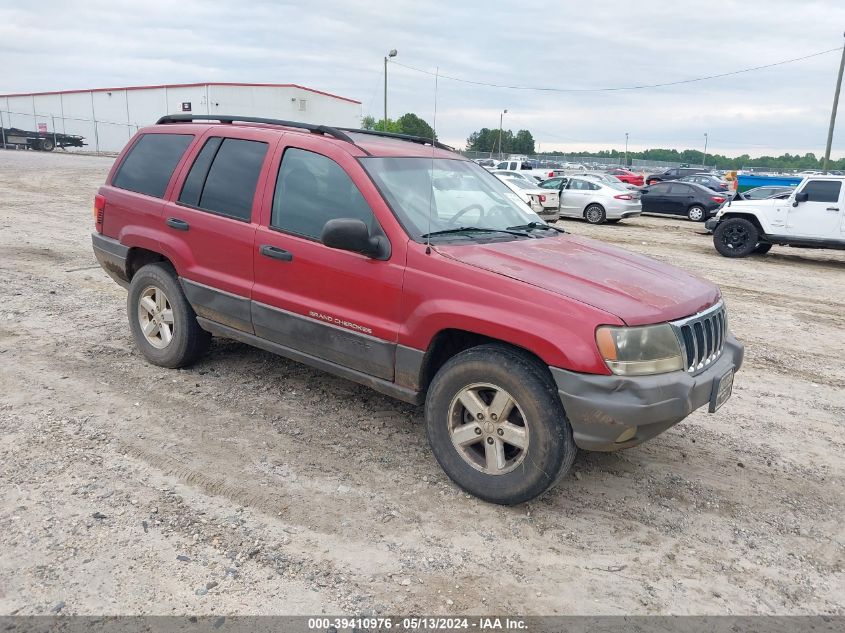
(338, 46)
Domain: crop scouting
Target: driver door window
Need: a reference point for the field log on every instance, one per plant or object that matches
(312, 189)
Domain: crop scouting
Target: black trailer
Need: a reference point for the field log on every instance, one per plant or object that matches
(15, 138)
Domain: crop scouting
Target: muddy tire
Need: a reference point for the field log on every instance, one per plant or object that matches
(497, 426)
(762, 248)
(162, 321)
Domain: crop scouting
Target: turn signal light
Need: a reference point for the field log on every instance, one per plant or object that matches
(99, 212)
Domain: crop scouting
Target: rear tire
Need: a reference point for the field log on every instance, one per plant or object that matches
(162, 321)
(735, 237)
(47, 145)
(594, 214)
(697, 213)
(501, 453)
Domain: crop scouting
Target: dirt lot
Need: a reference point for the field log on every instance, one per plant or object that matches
(251, 484)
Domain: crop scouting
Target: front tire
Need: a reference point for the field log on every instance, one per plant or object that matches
(594, 214)
(163, 323)
(697, 213)
(496, 425)
(735, 237)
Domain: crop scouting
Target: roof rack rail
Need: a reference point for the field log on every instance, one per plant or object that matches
(226, 118)
(403, 137)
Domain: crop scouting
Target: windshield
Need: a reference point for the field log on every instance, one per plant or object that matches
(463, 194)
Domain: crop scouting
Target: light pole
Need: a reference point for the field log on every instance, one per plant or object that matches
(626, 150)
(392, 53)
(833, 114)
(705, 149)
(501, 115)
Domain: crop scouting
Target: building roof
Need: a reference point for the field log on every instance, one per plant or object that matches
(193, 85)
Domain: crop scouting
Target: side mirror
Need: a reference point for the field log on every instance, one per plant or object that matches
(800, 197)
(348, 234)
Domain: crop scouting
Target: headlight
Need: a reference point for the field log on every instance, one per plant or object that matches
(639, 351)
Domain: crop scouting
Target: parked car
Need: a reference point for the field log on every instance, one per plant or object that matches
(414, 271)
(682, 198)
(524, 175)
(486, 162)
(711, 182)
(673, 174)
(812, 216)
(598, 202)
(627, 176)
(763, 193)
(597, 175)
(543, 202)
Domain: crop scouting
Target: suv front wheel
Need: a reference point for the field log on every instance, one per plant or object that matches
(496, 425)
(735, 237)
(162, 321)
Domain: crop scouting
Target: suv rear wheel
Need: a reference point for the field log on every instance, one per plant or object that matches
(496, 425)
(735, 237)
(162, 321)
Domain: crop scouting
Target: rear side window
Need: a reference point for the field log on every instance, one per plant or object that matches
(823, 190)
(149, 165)
(311, 190)
(223, 177)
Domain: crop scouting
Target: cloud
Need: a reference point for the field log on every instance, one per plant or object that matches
(338, 46)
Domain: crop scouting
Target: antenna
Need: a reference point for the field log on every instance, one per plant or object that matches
(431, 176)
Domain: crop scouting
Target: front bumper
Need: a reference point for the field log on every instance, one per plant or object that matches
(710, 225)
(601, 408)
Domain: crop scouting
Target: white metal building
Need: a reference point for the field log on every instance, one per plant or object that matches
(108, 117)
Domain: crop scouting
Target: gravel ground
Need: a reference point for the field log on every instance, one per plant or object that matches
(248, 484)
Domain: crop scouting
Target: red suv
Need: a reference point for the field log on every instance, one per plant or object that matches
(407, 268)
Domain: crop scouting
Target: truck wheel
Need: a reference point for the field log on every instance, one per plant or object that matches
(696, 213)
(735, 237)
(594, 214)
(47, 145)
(162, 321)
(762, 248)
(496, 425)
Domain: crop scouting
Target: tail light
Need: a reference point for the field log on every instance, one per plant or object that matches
(542, 198)
(99, 212)
(718, 199)
(551, 174)
(624, 196)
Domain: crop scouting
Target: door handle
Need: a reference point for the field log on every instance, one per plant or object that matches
(176, 223)
(833, 208)
(275, 253)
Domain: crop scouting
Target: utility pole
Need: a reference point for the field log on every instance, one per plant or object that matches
(704, 162)
(392, 53)
(626, 150)
(502, 114)
(833, 113)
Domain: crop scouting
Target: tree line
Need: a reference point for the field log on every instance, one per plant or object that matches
(408, 123)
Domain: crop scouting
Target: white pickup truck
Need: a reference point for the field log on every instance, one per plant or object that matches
(513, 164)
(813, 216)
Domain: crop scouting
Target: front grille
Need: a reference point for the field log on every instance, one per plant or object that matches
(702, 337)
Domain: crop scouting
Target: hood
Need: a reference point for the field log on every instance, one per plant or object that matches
(746, 205)
(637, 289)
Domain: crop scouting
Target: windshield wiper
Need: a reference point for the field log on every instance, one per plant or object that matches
(472, 229)
(534, 225)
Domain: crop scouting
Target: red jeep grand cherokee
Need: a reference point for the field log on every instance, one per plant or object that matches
(409, 269)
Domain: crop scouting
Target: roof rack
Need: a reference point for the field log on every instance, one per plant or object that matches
(226, 118)
(402, 137)
(338, 133)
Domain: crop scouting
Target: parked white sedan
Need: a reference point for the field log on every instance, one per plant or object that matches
(598, 202)
(543, 202)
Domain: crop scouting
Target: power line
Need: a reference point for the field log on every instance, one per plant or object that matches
(639, 87)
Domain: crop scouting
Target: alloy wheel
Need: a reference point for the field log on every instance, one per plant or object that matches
(488, 428)
(155, 315)
(735, 237)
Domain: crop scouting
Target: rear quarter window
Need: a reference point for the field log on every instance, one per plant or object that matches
(149, 165)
